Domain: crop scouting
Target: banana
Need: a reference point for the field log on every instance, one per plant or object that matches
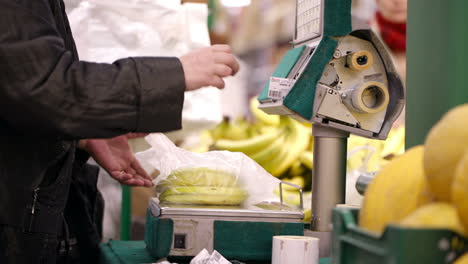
(236, 130)
(205, 141)
(395, 142)
(296, 168)
(298, 180)
(311, 143)
(359, 148)
(200, 149)
(227, 129)
(202, 190)
(247, 146)
(201, 185)
(203, 195)
(307, 158)
(271, 161)
(401, 149)
(292, 197)
(271, 120)
(265, 129)
(195, 199)
(264, 156)
(297, 142)
(220, 130)
(200, 176)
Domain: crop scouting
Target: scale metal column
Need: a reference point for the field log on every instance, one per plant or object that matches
(338, 76)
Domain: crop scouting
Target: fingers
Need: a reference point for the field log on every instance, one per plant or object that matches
(138, 182)
(136, 135)
(120, 176)
(207, 66)
(223, 70)
(217, 82)
(131, 178)
(138, 170)
(228, 60)
(222, 48)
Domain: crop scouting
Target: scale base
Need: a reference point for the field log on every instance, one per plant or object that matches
(236, 233)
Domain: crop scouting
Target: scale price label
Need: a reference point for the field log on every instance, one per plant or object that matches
(280, 87)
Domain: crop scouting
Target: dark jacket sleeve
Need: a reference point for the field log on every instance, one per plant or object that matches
(44, 91)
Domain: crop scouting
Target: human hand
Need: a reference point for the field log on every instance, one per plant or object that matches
(208, 66)
(116, 157)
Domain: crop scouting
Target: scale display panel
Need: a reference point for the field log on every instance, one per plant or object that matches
(308, 20)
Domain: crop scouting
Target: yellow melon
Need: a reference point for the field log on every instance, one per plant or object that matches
(436, 216)
(462, 260)
(396, 191)
(460, 189)
(445, 145)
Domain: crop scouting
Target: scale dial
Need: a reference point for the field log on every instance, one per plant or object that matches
(308, 20)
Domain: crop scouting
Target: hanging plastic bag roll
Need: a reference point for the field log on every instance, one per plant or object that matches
(295, 249)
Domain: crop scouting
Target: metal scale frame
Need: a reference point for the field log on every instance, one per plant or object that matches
(244, 233)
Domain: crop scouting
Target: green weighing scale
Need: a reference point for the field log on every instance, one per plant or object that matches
(244, 233)
(338, 76)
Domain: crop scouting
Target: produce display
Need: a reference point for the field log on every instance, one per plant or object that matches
(427, 187)
(284, 147)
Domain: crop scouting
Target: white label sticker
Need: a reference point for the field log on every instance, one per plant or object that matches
(201, 258)
(217, 258)
(279, 87)
(205, 258)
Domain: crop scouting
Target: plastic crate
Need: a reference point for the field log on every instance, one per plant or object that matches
(397, 245)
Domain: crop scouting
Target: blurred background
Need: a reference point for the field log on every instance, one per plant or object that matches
(258, 30)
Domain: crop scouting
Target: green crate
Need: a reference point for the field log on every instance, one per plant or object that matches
(397, 245)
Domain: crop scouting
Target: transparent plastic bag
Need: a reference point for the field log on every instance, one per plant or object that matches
(211, 178)
(352, 195)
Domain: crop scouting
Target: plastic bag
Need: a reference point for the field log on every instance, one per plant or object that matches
(226, 176)
(106, 30)
(352, 195)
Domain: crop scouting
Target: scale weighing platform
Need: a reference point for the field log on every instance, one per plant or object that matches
(180, 232)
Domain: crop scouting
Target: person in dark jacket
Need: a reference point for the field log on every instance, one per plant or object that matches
(56, 111)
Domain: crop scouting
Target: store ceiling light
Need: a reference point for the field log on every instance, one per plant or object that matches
(236, 3)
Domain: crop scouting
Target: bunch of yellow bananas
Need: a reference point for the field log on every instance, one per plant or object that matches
(281, 145)
(373, 154)
(201, 186)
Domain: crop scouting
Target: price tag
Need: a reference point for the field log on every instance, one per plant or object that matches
(280, 87)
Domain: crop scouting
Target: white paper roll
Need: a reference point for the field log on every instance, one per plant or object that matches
(295, 250)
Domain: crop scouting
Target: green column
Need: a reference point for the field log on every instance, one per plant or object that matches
(126, 213)
(437, 59)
